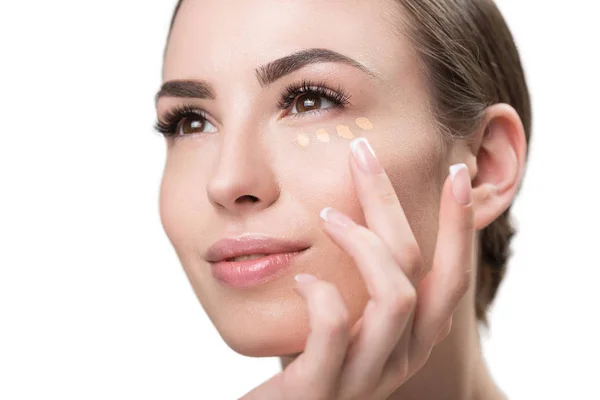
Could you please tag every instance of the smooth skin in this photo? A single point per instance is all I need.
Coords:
(405, 316)
(243, 172)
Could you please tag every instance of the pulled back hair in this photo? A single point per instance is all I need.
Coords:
(469, 56)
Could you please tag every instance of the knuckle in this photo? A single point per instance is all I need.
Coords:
(401, 368)
(401, 302)
(419, 363)
(463, 282)
(366, 237)
(444, 332)
(369, 240)
(409, 257)
(412, 263)
(447, 328)
(412, 255)
(388, 197)
(412, 272)
(335, 325)
(333, 316)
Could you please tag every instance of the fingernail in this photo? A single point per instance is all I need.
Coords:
(461, 183)
(365, 156)
(335, 217)
(304, 278)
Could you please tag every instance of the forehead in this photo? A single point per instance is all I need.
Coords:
(212, 38)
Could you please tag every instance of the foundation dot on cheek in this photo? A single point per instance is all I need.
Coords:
(344, 131)
(303, 140)
(364, 123)
(323, 136)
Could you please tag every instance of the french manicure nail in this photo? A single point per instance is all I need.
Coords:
(461, 183)
(365, 156)
(335, 217)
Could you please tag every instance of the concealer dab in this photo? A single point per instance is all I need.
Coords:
(344, 131)
(364, 123)
(322, 135)
(303, 140)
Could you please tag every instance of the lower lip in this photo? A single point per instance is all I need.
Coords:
(244, 274)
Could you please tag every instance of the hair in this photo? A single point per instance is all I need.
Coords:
(469, 56)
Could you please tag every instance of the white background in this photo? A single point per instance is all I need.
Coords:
(93, 301)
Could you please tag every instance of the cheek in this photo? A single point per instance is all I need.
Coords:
(181, 201)
(416, 169)
(182, 207)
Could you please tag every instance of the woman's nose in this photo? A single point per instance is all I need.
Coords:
(244, 179)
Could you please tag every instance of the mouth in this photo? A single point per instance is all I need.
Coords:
(249, 247)
(252, 260)
(252, 270)
(246, 257)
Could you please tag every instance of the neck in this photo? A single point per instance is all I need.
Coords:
(455, 369)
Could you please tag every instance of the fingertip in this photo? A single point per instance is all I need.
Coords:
(454, 169)
(302, 282)
(302, 279)
(461, 184)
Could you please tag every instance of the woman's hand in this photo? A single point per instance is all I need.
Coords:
(405, 317)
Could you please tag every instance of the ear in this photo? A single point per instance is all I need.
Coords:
(496, 163)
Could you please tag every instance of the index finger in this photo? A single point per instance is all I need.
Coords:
(382, 209)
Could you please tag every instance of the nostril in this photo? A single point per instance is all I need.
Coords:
(247, 199)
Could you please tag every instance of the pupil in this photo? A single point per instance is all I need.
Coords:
(308, 102)
(190, 125)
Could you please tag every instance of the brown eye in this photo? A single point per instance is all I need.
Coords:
(194, 124)
(308, 102)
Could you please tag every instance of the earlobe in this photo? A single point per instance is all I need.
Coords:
(500, 163)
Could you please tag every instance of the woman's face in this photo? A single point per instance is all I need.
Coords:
(261, 141)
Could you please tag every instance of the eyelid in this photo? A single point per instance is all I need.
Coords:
(168, 123)
(338, 96)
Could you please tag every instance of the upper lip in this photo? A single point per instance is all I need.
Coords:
(251, 244)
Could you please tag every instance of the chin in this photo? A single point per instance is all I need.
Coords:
(266, 344)
(269, 329)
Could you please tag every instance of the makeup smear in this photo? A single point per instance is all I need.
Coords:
(344, 131)
(322, 135)
(364, 123)
(303, 140)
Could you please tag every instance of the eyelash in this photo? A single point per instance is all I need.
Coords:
(168, 126)
(339, 97)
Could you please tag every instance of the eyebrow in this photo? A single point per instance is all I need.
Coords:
(274, 70)
(186, 89)
(266, 74)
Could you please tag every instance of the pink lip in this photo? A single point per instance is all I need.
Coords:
(279, 255)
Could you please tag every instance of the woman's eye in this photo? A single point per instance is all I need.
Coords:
(191, 124)
(310, 102)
